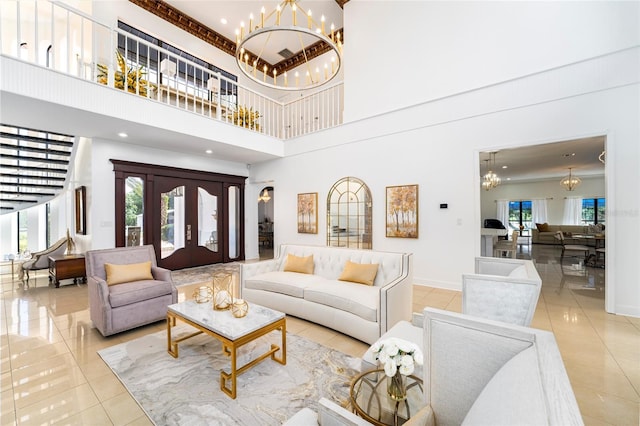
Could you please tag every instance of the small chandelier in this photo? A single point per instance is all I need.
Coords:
(275, 25)
(570, 182)
(490, 180)
(265, 196)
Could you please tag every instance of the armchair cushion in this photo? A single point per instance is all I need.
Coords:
(501, 401)
(118, 274)
(138, 291)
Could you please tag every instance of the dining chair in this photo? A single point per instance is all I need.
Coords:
(507, 248)
(571, 247)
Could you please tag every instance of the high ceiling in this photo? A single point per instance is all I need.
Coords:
(548, 161)
(216, 22)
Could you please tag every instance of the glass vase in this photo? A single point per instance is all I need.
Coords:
(397, 387)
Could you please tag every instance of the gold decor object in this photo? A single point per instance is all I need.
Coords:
(239, 308)
(71, 245)
(222, 296)
(288, 25)
(135, 81)
(203, 294)
(247, 118)
(570, 182)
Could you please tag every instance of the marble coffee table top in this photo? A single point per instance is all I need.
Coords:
(223, 322)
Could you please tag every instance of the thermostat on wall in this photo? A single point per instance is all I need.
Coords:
(444, 206)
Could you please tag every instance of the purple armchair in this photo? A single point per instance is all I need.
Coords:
(121, 307)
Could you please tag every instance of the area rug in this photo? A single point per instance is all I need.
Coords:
(186, 390)
(202, 274)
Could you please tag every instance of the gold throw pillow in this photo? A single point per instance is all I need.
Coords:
(118, 274)
(361, 273)
(304, 265)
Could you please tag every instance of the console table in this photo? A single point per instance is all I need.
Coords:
(67, 266)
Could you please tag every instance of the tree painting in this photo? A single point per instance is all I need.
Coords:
(308, 213)
(402, 211)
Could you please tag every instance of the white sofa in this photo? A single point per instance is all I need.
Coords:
(500, 289)
(361, 311)
(480, 372)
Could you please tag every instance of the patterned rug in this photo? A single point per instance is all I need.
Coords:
(186, 390)
(202, 274)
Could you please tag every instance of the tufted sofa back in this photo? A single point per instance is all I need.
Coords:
(329, 261)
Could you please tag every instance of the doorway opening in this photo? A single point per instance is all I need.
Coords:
(265, 222)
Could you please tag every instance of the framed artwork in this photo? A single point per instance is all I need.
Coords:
(81, 214)
(308, 213)
(402, 211)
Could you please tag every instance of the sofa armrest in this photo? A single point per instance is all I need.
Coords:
(248, 270)
(396, 298)
(99, 305)
(332, 414)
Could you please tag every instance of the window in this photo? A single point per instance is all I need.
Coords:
(593, 211)
(23, 240)
(519, 214)
(151, 58)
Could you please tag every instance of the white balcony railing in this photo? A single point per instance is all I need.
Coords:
(56, 36)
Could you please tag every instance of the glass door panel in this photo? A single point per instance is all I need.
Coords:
(134, 211)
(172, 221)
(207, 220)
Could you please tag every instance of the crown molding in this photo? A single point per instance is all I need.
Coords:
(198, 29)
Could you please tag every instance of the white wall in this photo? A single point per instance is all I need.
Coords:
(101, 193)
(549, 189)
(436, 145)
(428, 49)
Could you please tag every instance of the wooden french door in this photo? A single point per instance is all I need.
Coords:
(186, 223)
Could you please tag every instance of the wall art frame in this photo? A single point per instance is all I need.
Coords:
(307, 213)
(81, 210)
(402, 211)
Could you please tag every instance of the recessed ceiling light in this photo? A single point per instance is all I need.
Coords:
(508, 178)
(223, 21)
(123, 135)
(209, 151)
(505, 167)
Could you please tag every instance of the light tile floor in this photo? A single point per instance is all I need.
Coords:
(51, 373)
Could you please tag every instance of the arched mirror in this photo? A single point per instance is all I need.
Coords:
(349, 214)
(265, 222)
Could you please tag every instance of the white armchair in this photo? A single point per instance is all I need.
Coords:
(40, 260)
(500, 289)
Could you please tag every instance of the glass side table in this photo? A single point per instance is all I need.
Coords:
(369, 399)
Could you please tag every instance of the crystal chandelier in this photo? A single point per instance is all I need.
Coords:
(264, 197)
(490, 180)
(280, 24)
(570, 182)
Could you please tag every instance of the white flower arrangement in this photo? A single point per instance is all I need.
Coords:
(397, 355)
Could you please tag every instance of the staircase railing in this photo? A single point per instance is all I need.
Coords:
(59, 37)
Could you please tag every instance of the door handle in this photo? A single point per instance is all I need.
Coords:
(188, 232)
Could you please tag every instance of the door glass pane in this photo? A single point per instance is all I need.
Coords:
(133, 211)
(234, 221)
(172, 216)
(207, 220)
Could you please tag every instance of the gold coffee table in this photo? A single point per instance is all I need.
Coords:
(370, 400)
(232, 332)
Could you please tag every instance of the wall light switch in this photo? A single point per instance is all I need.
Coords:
(459, 221)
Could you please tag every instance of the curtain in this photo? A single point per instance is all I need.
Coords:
(538, 211)
(572, 211)
(502, 213)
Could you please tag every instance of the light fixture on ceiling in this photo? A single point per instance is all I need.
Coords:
(265, 196)
(280, 24)
(570, 182)
(490, 180)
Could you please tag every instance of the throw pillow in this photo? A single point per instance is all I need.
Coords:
(543, 227)
(303, 265)
(118, 274)
(361, 273)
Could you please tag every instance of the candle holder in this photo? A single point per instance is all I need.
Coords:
(203, 294)
(239, 308)
(222, 298)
